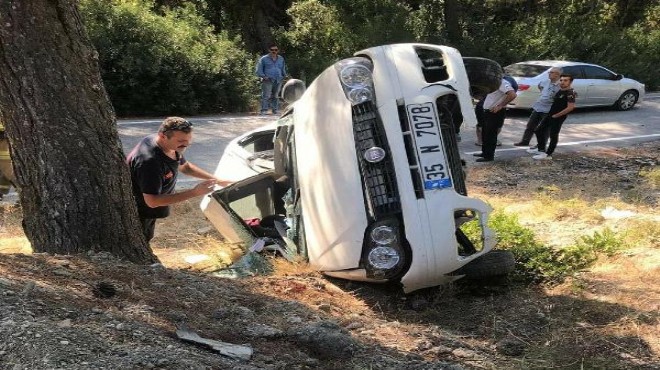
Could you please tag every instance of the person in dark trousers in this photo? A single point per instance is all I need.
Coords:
(155, 163)
(271, 69)
(542, 105)
(563, 104)
(494, 114)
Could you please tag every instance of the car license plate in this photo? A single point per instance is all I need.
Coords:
(430, 152)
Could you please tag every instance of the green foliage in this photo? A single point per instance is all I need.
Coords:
(163, 56)
(539, 263)
(607, 242)
(163, 64)
(317, 37)
(322, 32)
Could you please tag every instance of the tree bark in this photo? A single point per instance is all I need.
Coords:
(452, 22)
(75, 188)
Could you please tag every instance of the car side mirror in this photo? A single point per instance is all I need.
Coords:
(293, 90)
(618, 77)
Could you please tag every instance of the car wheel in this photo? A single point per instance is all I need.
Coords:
(627, 100)
(485, 75)
(493, 263)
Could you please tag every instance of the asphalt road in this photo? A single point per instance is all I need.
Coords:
(585, 129)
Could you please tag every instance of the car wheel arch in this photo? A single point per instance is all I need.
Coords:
(627, 100)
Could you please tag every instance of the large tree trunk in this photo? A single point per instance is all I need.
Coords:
(74, 185)
(452, 22)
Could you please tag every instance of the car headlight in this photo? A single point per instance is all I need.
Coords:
(355, 76)
(383, 258)
(360, 95)
(356, 79)
(383, 235)
(385, 255)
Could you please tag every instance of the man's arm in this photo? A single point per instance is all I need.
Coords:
(565, 111)
(510, 95)
(159, 200)
(259, 70)
(194, 171)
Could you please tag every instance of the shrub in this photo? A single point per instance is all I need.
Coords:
(538, 263)
(162, 64)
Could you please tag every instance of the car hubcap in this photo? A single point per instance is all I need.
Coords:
(627, 101)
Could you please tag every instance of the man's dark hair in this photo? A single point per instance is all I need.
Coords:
(171, 124)
(566, 75)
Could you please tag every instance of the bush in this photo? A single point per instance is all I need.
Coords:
(538, 263)
(166, 64)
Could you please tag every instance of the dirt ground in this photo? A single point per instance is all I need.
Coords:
(53, 314)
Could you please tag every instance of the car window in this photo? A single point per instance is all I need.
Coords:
(259, 142)
(525, 70)
(575, 71)
(598, 73)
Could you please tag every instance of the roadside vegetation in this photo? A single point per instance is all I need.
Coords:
(161, 57)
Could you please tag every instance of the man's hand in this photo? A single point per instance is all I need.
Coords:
(205, 187)
(223, 183)
(495, 109)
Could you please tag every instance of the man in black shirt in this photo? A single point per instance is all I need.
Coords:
(155, 163)
(563, 104)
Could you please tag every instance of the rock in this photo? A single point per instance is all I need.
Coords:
(439, 350)
(61, 272)
(64, 323)
(510, 346)
(244, 312)
(325, 307)
(332, 288)
(204, 230)
(325, 339)
(464, 353)
(292, 319)
(265, 331)
(354, 325)
(28, 288)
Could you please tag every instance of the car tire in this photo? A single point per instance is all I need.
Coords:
(627, 100)
(485, 75)
(491, 264)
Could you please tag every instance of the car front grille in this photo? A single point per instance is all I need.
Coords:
(378, 179)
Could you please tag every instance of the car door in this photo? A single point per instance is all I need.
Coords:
(248, 155)
(579, 84)
(603, 88)
(233, 209)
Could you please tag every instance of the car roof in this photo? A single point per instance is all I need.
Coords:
(555, 63)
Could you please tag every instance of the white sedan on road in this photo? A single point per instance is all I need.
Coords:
(594, 85)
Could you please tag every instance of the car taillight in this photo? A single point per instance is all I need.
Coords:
(523, 87)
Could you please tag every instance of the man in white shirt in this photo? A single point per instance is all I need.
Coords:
(494, 114)
(542, 105)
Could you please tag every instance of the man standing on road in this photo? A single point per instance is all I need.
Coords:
(542, 105)
(155, 163)
(563, 104)
(271, 69)
(494, 114)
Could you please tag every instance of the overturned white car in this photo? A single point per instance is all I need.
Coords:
(361, 176)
